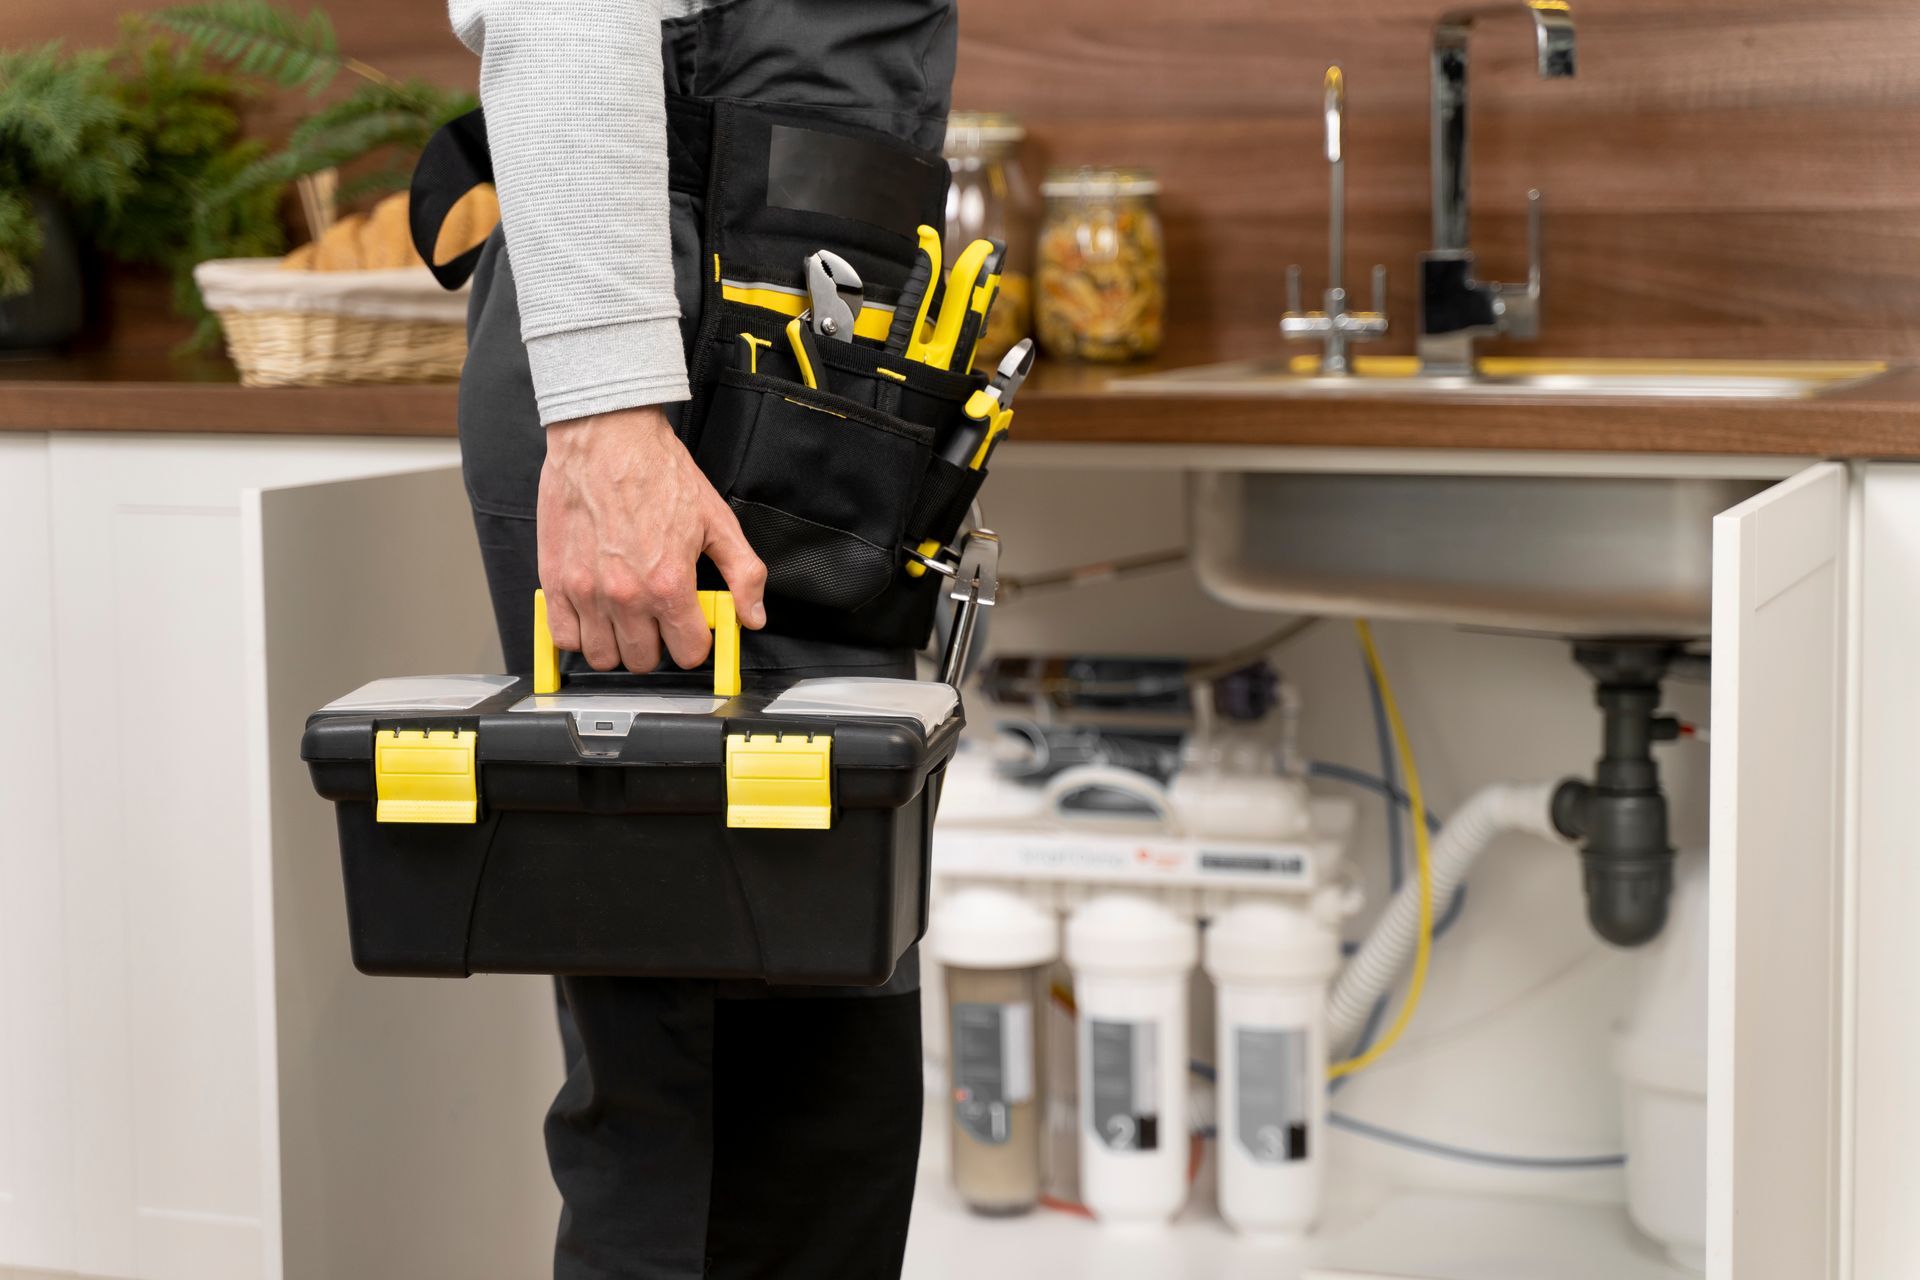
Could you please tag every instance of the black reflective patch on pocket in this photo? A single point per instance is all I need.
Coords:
(846, 177)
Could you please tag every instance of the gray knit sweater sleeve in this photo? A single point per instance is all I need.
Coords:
(576, 116)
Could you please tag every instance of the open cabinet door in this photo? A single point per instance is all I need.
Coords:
(408, 1109)
(1882, 1229)
(1781, 656)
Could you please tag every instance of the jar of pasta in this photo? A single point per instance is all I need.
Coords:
(991, 197)
(1103, 270)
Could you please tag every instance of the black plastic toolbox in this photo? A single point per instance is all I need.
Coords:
(627, 827)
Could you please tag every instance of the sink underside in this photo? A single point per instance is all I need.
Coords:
(1519, 376)
(1565, 555)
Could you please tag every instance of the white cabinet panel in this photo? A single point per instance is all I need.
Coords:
(1884, 1229)
(36, 1175)
(410, 1108)
(1780, 669)
(160, 962)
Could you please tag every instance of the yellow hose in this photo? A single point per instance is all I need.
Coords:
(1423, 858)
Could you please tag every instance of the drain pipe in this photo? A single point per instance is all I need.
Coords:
(1620, 818)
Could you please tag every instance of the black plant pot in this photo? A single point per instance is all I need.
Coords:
(52, 313)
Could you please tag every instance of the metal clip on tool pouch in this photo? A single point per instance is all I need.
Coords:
(751, 827)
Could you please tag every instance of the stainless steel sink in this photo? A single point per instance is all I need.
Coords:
(1580, 554)
(1517, 377)
(1569, 555)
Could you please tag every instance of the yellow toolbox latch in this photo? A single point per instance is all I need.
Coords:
(782, 781)
(424, 775)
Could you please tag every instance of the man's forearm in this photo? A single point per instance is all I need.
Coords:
(576, 117)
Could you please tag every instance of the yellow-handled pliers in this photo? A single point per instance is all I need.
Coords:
(962, 285)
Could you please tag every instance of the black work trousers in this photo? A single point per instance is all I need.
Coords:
(724, 1130)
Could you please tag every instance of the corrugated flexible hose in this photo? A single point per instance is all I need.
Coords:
(1489, 813)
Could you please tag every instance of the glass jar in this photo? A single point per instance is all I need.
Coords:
(1103, 265)
(992, 198)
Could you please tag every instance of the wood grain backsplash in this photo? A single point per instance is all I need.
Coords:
(1723, 177)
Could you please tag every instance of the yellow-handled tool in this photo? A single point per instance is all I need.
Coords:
(974, 325)
(990, 410)
(806, 351)
(989, 414)
(960, 300)
(910, 313)
(716, 610)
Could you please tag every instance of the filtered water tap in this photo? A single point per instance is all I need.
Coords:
(1334, 323)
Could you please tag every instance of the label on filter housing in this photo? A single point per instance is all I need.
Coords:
(1270, 1068)
(1124, 1067)
(992, 1066)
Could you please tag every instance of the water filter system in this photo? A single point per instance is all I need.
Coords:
(1270, 963)
(1131, 958)
(1232, 867)
(1250, 859)
(996, 947)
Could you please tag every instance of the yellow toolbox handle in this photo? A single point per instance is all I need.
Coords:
(716, 610)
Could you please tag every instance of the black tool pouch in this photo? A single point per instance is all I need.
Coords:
(834, 486)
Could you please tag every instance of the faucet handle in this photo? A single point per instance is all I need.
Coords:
(1380, 288)
(1535, 243)
(1293, 290)
(1517, 307)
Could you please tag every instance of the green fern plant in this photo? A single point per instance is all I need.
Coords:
(186, 116)
(63, 132)
(383, 117)
(259, 39)
(143, 145)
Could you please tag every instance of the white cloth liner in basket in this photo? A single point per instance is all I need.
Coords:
(262, 284)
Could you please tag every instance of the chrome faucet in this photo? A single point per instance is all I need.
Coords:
(1455, 308)
(1334, 323)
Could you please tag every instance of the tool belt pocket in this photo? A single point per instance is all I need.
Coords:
(824, 488)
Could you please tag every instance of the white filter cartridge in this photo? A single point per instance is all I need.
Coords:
(1271, 963)
(1131, 958)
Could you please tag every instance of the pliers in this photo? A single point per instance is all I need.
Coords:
(835, 295)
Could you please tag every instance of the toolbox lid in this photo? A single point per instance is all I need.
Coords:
(421, 693)
(777, 753)
(869, 697)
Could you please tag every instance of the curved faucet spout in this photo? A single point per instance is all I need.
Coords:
(1552, 31)
(1554, 54)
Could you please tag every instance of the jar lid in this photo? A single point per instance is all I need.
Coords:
(967, 130)
(1089, 181)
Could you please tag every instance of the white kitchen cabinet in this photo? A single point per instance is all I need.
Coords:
(1814, 1140)
(174, 1056)
(1783, 633)
(193, 1082)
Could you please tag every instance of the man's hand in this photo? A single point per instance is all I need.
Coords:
(624, 514)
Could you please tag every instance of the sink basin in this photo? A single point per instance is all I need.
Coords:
(1569, 554)
(1518, 376)
(1565, 555)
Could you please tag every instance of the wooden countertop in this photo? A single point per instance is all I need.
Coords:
(1061, 404)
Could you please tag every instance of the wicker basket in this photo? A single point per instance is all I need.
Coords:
(319, 328)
